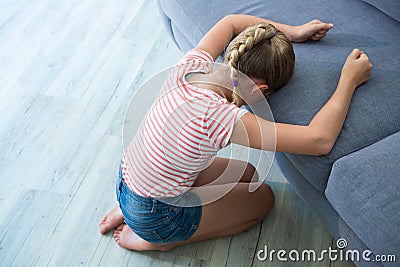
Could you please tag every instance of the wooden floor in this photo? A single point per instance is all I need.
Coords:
(68, 70)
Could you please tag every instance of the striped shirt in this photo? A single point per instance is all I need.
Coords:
(181, 133)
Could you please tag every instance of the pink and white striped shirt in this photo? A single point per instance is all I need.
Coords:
(180, 134)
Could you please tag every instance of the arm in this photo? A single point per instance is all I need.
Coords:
(219, 36)
(319, 136)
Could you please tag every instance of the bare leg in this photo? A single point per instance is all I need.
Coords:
(112, 219)
(224, 171)
(234, 213)
(221, 171)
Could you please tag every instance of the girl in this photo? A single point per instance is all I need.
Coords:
(195, 118)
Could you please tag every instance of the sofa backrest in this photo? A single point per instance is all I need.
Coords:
(390, 8)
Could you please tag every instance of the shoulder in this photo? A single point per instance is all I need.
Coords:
(220, 108)
(196, 55)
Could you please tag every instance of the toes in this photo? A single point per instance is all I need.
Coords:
(126, 227)
(112, 219)
(103, 225)
(121, 227)
(117, 234)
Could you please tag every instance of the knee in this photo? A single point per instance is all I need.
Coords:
(268, 197)
(250, 173)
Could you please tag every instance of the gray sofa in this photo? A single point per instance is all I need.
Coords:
(355, 189)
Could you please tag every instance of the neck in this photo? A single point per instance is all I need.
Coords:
(214, 82)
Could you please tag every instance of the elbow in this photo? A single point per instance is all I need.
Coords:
(325, 149)
(322, 145)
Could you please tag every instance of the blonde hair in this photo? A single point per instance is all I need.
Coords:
(260, 52)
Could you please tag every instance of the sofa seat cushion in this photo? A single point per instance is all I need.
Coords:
(364, 189)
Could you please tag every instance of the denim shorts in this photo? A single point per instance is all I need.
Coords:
(154, 220)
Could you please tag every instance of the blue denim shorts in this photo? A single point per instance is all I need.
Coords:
(156, 221)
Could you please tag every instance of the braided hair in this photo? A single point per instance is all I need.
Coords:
(261, 52)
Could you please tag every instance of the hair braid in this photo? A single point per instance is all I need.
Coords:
(242, 43)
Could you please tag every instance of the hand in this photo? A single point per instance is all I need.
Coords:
(314, 30)
(357, 68)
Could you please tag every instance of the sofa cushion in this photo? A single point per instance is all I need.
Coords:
(317, 201)
(391, 8)
(364, 190)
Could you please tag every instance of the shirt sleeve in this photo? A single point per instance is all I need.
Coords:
(222, 117)
(196, 61)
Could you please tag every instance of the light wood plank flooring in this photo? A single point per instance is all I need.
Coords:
(68, 70)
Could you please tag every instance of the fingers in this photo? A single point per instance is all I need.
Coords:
(355, 54)
(318, 36)
(315, 21)
(322, 26)
(328, 26)
(320, 29)
(357, 67)
(363, 56)
(313, 30)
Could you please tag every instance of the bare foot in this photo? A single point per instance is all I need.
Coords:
(126, 238)
(111, 220)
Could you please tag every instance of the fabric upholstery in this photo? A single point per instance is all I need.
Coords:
(370, 175)
(389, 7)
